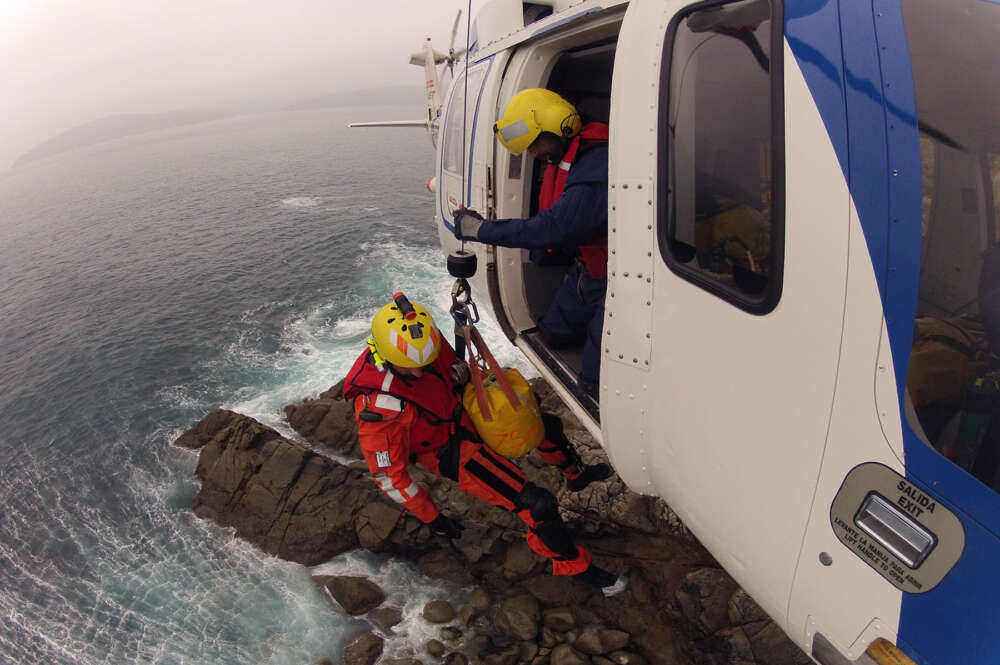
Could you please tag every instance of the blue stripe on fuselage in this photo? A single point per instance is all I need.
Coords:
(855, 60)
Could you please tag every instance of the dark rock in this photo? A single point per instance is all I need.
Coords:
(601, 660)
(738, 650)
(356, 595)
(518, 617)
(704, 598)
(435, 648)
(507, 655)
(328, 421)
(324, 661)
(450, 633)
(364, 649)
(520, 561)
(401, 661)
(559, 618)
(772, 647)
(439, 611)
(202, 433)
(597, 641)
(549, 637)
(528, 651)
(564, 654)
(456, 658)
(742, 609)
(386, 617)
(444, 565)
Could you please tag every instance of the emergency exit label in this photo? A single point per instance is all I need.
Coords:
(898, 528)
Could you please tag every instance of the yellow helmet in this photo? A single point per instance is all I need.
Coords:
(532, 112)
(405, 334)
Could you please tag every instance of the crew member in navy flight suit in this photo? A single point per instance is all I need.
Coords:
(572, 215)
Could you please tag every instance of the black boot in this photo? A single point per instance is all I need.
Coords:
(597, 578)
(590, 474)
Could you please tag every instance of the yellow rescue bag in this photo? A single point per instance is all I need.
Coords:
(509, 431)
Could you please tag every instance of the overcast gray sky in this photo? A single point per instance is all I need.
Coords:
(66, 62)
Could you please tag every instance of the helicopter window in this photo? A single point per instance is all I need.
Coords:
(721, 135)
(953, 378)
(453, 148)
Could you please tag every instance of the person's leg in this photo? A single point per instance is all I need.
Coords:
(558, 451)
(493, 478)
(565, 321)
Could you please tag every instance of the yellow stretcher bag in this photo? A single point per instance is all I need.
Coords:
(510, 431)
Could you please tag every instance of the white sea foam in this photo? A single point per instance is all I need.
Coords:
(301, 202)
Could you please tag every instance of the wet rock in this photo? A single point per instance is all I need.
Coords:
(435, 648)
(365, 649)
(356, 595)
(402, 661)
(328, 421)
(626, 658)
(478, 603)
(445, 565)
(704, 598)
(772, 647)
(528, 651)
(601, 660)
(439, 611)
(549, 637)
(386, 617)
(564, 654)
(450, 633)
(324, 661)
(743, 609)
(599, 641)
(456, 658)
(507, 655)
(201, 434)
(559, 618)
(520, 561)
(737, 646)
(518, 617)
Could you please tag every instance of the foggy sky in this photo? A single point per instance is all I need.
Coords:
(67, 62)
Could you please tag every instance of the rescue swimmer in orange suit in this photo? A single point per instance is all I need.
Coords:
(572, 216)
(405, 390)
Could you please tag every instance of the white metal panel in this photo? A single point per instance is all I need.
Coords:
(742, 402)
(846, 598)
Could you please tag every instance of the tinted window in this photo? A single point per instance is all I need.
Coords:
(719, 221)
(453, 148)
(954, 377)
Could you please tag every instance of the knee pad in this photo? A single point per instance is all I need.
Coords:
(538, 501)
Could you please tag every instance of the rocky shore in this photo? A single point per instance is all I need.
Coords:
(296, 501)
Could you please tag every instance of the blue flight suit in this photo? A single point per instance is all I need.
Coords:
(579, 216)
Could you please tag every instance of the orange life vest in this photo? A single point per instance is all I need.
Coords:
(594, 254)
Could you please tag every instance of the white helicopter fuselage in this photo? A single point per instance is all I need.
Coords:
(755, 357)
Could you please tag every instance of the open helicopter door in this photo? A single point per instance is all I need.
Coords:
(729, 229)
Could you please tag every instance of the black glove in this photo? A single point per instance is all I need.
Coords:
(459, 373)
(446, 527)
(467, 223)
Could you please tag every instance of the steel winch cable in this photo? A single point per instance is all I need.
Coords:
(465, 102)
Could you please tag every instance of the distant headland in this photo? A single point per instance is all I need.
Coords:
(123, 125)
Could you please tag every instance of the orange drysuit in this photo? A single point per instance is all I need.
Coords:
(404, 419)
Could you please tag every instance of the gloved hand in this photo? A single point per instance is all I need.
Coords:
(446, 527)
(467, 223)
(459, 373)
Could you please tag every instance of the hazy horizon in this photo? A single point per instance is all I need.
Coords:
(64, 64)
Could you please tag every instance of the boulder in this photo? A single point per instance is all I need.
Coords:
(365, 649)
(564, 654)
(439, 611)
(356, 595)
(597, 641)
(386, 617)
(435, 648)
(326, 421)
(559, 618)
(507, 655)
(704, 598)
(626, 658)
(518, 617)
(456, 658)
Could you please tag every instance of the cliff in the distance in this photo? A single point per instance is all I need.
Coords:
(114, 127)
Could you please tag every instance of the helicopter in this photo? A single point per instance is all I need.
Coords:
(802, 317)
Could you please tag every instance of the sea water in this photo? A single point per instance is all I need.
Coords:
(144, 282)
